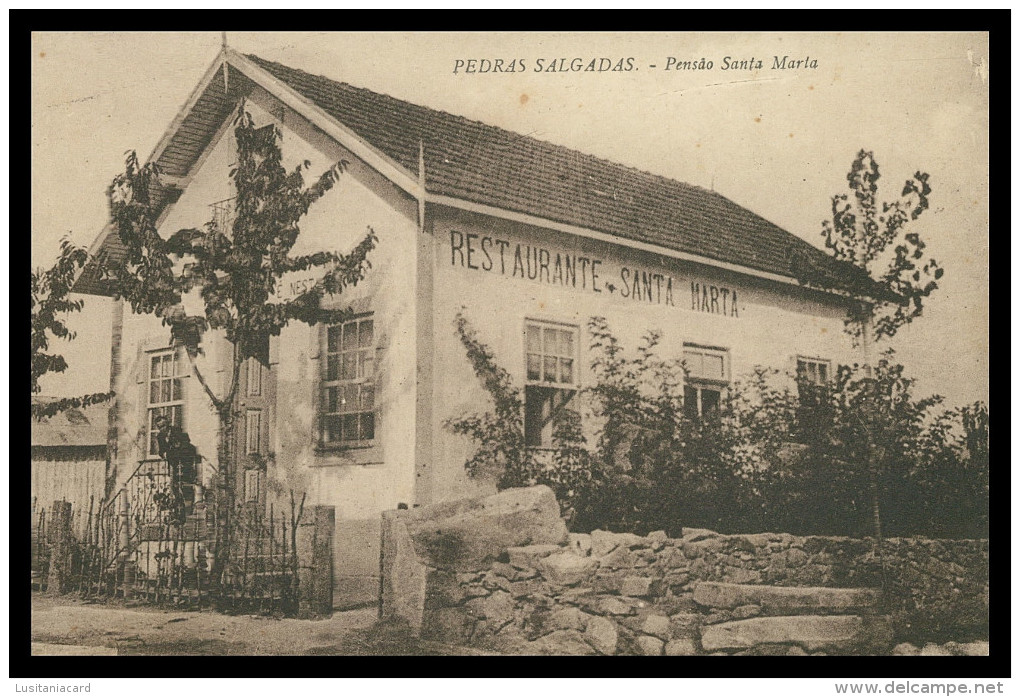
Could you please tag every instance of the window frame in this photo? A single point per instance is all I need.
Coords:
(699, 381)
(572, 387)
(816, 361)
(340, 446)
(813, 401)
(152, 409)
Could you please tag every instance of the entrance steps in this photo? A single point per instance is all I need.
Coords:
(765, 619)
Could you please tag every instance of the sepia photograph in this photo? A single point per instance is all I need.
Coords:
(665, 344)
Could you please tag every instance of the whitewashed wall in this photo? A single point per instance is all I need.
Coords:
(773, 323)
(359, 484)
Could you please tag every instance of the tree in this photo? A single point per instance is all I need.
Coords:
(499, 433)
(234, 272)
(50, 306)
(894, 277)
(895, 274)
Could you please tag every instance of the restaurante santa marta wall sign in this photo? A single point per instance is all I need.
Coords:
(529, 262)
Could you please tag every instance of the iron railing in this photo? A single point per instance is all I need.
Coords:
(133, 546)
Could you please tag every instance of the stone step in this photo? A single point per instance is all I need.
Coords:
(811, 632)
(788, 600)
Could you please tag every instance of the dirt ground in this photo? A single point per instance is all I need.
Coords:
(61, 624)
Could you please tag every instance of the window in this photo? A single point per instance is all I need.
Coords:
(223, 215)
(813, 371)
(813, 376)
(166, 393)
(551, 358)
(348, 386)
(708, 373)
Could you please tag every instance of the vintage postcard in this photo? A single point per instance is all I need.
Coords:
(533, 343)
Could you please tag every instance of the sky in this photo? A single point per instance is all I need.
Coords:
(778, 141)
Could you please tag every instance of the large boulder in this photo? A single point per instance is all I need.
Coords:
(812, 632)
(470, 534)
(404, 577)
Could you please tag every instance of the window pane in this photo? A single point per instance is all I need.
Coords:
(567, 370)
(365, 334)
(349, 366)
(350, 427)
(167, 366)
(178, 390)
(331, 429)
(690, 402)
(331, 399)
(823, 373)
(533, 415)
(693, 361)
(177, 415)
(567, 344)
(534, 341)
(333, 339)
(715, 367)
(154, 370)
(550, 369)
(709, 402)
(154, 392)
(367, 397)
(350, 339)
(551, 343)
(367, 426)
(367, 364)
(164, 395)
(351, 399)
(534, 366)
(153, 444)
(331, 368)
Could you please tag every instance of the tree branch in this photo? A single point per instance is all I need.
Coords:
(205, 386)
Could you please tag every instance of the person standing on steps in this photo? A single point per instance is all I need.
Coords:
(181, 458)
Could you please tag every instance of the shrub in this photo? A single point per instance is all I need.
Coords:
(767, 461)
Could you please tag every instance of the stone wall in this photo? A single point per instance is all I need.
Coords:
(617, 593)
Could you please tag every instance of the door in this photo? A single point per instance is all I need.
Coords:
(254, 431)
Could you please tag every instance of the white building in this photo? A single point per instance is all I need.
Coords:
(529, 238)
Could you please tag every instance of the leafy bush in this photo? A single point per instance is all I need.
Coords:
(767, 461)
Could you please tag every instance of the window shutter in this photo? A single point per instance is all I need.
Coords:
(274, 350)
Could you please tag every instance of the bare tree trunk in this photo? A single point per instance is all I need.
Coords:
(225, 474)
(873, 461)
(224, 495)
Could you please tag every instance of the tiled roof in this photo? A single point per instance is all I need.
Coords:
(473, 161)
